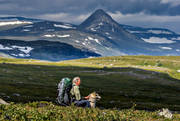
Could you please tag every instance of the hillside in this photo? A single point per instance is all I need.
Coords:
(165, 64)
(121, 81)
(54, 51)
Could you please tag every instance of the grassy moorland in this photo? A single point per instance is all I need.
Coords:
(165, 64)
(150, 82)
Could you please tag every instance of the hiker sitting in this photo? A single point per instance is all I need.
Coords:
(76, 96)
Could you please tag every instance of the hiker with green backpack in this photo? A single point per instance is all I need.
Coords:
(68, 92)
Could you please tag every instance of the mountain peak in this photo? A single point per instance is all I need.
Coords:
(100, 12)
(98, 17)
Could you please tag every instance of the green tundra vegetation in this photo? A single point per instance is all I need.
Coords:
(149, 82)
(43, 111)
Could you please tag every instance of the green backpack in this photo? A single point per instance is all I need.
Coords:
(64, 88)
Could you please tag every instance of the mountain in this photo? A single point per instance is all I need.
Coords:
(19, 19)
(102, 24)
(62, 32)
(98, 35)
(147, 34)
(43, 50)
(13, 22)
(130, 39)
(165, 39)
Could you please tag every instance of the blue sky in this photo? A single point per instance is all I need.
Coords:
(147, 13)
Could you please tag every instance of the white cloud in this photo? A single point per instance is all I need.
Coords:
(118, 16)
(146, 20)
(5, 15)
(172, 2)
(14, 23)
(66, 17)
(166, 48)
(8, 7)
(158, 40)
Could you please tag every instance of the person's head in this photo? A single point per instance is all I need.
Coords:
(77, 81)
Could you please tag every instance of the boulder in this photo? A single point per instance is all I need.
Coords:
(166, 113)
(3, 102)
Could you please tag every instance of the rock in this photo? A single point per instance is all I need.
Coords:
(178, 71)
(16, 94)
(3, 102)
(166, 113)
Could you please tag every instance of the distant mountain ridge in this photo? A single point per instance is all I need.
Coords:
(13, 18)
(99, 35)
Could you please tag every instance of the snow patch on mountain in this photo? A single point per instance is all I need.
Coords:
(26, 30)
(101, 24)
(59, 36)
(24, 55)
(49, 35)
(14, 54)
(20, 55)
(92, 29)
(25, 49)
(67, 26)
(96, 40)
(135, 32)
(158, 40)
(84, 43)
(107, 33)
(178, 50)
(166, 48)
(4, 48)
(77, 41)
(150, 32)
(90, 38)
(63, 36)
(5, 23)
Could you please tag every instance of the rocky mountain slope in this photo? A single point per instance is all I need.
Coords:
(98, 34)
